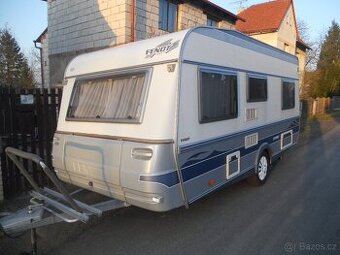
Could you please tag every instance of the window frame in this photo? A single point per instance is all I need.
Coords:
(260, 77)
(167, 3)
(199, 89)
(283, 108)
(209, 18)
(145, 91)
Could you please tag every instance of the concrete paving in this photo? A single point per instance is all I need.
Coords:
(296, 212)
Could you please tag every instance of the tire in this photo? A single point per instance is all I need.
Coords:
(262, 170)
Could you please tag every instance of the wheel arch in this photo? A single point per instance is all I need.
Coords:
(265, 147)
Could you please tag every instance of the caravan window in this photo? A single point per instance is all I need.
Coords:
(114, 98)
(218, 96)
(257, 89)
(288, 95)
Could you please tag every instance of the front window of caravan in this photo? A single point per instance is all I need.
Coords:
(218, 96)
(114, 98)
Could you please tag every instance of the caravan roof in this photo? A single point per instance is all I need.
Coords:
(188, 45)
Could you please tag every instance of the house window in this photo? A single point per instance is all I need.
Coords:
(167, 15)
(257, 89)
(211, 22)
(286, 47)
(288, 95)
(218, 96)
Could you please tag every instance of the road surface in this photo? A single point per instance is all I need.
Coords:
(296, 212)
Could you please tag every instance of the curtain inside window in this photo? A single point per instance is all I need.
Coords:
(108, 98)
(218, 96)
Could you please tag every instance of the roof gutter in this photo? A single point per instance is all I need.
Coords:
(41, 63)
(215, 6)
(132, 10)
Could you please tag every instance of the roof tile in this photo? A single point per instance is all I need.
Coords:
(264, 17)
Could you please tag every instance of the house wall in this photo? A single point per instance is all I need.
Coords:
(301, 55)
(80, 26)
(45, 61)
(226, 24)
(146, 24)
(190, 16)
(269, 38)
(285, 39)
(287, 33)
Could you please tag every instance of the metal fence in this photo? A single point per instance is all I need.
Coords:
(28, 119)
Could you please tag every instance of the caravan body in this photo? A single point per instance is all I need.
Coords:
(161, 122)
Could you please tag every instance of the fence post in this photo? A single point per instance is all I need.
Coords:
(1, 181)
(314, 107)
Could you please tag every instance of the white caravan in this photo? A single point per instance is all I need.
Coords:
(162, 122)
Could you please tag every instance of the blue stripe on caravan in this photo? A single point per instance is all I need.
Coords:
(295, 121)
(213, 163)
(200, 168)
(169, 179)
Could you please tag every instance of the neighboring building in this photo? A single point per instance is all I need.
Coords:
(45, 67)
(75, 27)
(274, 23)
(301, 52)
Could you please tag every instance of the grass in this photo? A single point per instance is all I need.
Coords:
(328, 116)
(314, 126)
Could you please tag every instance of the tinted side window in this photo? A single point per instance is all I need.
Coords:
(257, 89)
(288, 95)
(218, 96)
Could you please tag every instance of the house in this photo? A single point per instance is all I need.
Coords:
(76, 27)
(275, 23)
(45, 72)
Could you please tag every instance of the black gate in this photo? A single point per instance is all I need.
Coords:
(28, 119)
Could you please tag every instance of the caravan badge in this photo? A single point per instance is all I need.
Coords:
(164, 47)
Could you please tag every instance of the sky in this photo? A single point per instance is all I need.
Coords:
(27, 19)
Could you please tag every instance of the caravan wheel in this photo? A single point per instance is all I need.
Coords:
(262, 170)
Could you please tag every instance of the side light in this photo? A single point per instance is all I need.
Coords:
(157, 200)
(142, 153)
(211, 182)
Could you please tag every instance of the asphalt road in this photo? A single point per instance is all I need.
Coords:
(296, 212)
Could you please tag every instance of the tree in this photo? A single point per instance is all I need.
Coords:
(14, 69)
(330, 48)
(312, 55)
(329, 63)
(34, 62)
(26, 78)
